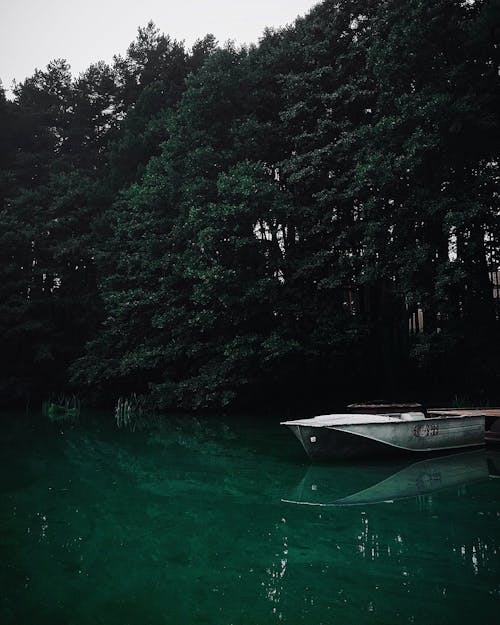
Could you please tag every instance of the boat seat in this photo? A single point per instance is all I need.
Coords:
(412, 416)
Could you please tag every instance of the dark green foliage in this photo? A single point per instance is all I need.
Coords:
(311, 220)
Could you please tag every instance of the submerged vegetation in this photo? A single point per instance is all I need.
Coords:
(315, 216)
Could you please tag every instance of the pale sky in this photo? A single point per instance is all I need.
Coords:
(33, 32)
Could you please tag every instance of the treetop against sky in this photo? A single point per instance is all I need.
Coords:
(33, 33)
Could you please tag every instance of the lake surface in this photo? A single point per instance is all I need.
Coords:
(224, 521)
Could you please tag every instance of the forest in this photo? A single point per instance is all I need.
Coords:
(295, 224)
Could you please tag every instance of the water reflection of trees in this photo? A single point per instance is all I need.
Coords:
(409, 561)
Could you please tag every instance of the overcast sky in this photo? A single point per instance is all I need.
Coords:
(33, 32)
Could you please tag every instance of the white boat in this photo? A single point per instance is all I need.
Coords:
(339, 436)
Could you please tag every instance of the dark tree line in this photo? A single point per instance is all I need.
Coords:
(308, 220)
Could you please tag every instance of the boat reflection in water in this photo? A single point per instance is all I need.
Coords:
(377, 483)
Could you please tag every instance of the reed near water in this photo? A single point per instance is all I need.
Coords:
(62, 408)
(134, 412)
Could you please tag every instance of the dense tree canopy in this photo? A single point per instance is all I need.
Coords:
(307, 221)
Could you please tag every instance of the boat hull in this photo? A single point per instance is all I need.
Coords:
(420, 437)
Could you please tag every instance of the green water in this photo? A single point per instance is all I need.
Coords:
(224, 522)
